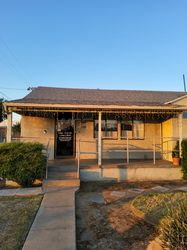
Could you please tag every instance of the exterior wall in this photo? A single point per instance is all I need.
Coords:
(181, 102)
(167, 133)
(2, 134)
(85, 133)
(32, 129)
(184, 128)
(116, 148)
(170, 128)
(131, 174)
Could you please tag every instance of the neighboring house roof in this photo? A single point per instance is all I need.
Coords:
(49, 95)
(3, 124)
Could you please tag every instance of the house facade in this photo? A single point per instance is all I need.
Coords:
(102, 124)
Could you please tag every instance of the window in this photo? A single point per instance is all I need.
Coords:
(108, 128)
(185, 114)
(133, 129)
(138, 129)
(126, 129)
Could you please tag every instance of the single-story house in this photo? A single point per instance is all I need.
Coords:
(3, 130)
(102, 124)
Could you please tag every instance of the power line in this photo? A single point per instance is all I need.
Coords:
(1, 87)
(18, 69)
(4, 95)
(12, 67)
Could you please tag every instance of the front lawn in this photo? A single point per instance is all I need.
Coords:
(126, 216)
(169, 212)
(16, 217)
(153, 207)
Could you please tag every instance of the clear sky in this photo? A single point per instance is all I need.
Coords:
(115, 44)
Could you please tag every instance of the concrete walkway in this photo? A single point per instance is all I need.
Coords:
(21, 191)
(54, 225)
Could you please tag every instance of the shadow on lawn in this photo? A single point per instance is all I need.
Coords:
(112, 227)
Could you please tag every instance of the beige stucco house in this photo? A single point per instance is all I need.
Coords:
(102, 124)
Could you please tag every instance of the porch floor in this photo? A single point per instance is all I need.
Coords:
(69, 166)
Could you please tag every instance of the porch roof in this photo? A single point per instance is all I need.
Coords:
(54, 98)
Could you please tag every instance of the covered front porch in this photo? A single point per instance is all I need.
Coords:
(105, 142)
(103, 137)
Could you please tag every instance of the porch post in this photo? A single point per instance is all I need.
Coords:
(99, 139)
(180, 118)
(9, 127)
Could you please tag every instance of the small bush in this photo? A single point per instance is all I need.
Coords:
(174, 227)
(22, 162)
(184, 158)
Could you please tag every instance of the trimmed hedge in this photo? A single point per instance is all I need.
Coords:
(22, 162)
(184, 158)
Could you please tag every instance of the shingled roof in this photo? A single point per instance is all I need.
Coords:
(49, 95)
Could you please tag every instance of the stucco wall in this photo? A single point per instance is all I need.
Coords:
(167, 132)
(182, 102)
(88, 144)
(32, 129)
(170, 129)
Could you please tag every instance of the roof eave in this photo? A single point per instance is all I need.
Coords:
(95, 107)
(176, 99)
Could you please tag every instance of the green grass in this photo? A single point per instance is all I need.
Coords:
(16, 217)
(155, 206)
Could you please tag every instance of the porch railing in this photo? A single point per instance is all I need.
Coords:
(158, 146)
(79, 153)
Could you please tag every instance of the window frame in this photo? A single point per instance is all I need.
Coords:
(105, 130)
(119, 130)
(133, 137)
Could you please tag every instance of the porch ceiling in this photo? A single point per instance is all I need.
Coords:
(90, 114)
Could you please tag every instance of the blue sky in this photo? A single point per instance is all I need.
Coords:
(115, 44)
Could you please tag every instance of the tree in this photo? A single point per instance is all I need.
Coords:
(1, 109)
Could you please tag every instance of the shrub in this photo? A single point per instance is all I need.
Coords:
(22, 162)
(174, 227)
(175, 152)
(184, 158)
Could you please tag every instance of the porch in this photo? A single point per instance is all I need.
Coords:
(112, 170)
(127, 135)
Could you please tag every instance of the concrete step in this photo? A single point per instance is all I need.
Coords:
(62, 168)
(56, 184)
(62, 175)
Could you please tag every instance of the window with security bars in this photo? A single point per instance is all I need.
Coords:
(133, 129)
(109, 128)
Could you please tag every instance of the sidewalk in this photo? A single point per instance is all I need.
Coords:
(21, 191)
(54, 225)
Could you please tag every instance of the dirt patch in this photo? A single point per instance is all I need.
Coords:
(105, 219)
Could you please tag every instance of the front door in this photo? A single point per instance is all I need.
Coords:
(65, 136)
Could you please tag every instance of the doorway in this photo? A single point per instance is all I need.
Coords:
(65, 135)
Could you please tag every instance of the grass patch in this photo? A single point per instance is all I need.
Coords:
(156, 205)
(169, 212)
(16, 217)
(173, 228)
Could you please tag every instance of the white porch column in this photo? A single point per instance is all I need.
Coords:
(99, 139)
(180, 119)
(9, 127)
